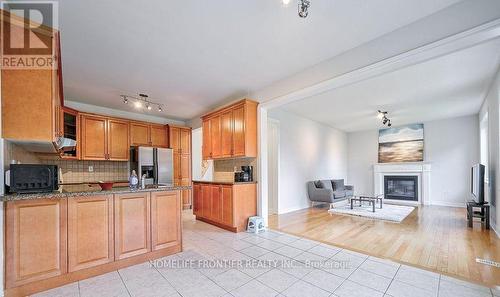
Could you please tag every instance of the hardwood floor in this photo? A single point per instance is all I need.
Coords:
(431, 237)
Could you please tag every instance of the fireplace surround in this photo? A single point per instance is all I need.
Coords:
(420, 171)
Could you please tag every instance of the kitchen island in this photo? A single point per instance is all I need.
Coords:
(52, 239)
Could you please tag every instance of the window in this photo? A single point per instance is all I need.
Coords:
(483, 143)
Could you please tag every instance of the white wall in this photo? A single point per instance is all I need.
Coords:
(308, 151)
(196, 157)
(451, 146)
(491, 106)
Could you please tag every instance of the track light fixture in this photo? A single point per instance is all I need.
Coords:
(141, 101)
(304, 8)
(382, 115)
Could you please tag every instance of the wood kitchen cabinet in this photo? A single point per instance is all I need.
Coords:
(147, 134)
(35, 240)
(90, 231)
(104, 138)
(132, 224)
(180, 143)
(231, 131)
(165, 219)
(32, 98)
(197, 200)
(69, 127)
(225, 205)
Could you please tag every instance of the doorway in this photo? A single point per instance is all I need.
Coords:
(273, 133)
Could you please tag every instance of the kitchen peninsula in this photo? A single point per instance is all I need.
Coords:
(78, 232)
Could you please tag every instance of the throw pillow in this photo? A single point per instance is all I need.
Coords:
(319, 184)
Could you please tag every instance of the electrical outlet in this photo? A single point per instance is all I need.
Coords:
(91, 168)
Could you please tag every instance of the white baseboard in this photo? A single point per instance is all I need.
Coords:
(450, 204)
(494, 228)
(292, 209)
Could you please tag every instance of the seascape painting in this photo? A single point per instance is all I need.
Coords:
(401, 144)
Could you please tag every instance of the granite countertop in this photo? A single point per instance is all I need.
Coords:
(68, 191)
(223, 182)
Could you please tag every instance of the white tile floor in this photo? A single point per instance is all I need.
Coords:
(360, 275)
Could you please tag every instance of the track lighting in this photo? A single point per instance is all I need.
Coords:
(382, 115)
(141, 101)
(303, 8)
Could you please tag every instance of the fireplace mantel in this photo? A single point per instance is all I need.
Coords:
(421, 170)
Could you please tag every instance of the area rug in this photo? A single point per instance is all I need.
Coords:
(389, 212)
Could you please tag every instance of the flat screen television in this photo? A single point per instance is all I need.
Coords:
(477, 183)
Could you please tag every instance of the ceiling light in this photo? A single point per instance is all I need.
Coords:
(382, 115)
(141, 101)
(303, 8)
(285, 2)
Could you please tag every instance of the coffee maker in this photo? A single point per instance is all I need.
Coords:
(247, 173)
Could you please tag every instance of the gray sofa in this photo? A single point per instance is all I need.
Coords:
(329, 191)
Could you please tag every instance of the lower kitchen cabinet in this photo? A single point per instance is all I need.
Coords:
(165, 219)
(90, 231)
(55, 241)
(35, 240)
(225, 205)
(132, 224)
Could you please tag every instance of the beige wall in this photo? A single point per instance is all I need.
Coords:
(71, 171)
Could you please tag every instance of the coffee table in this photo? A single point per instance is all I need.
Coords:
(371, 199)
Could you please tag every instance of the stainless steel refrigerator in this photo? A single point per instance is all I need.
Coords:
(156, 163)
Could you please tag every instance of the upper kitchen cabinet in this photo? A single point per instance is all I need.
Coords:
(69, 127)
(231, 131)
(32, 97)
(146, 134)
(159, 136)
(104, 138)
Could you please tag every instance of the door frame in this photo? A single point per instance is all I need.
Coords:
(273, 165)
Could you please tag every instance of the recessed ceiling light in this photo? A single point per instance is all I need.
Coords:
(137, 104)
(285, 2)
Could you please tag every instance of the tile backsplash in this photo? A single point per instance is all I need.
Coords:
(71, 171)
(74, 171)
(224, 169)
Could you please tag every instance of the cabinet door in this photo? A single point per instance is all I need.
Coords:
(227, 205)
(185, 141)
(139, 134)
(35, 240)
(207, 140)
(239, 131)
(159, 136)
(132, 225)
(186, 199)
(174, 135)
(177, 166)
(227, 134)
(215, 135)
(216, 214)
(118, 140)
(197, 199)
(90, 231)
(185, 166)
(165, 219)
(94, 137)
(206, 196)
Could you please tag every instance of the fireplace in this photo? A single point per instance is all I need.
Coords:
(400, 187)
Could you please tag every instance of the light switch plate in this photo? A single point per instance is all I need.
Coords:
(91, 168)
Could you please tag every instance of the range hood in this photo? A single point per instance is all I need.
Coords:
(63, 144)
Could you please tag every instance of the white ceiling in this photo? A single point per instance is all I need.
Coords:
(448, 86)
(193, 55)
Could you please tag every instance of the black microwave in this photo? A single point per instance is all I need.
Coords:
(32, 178)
